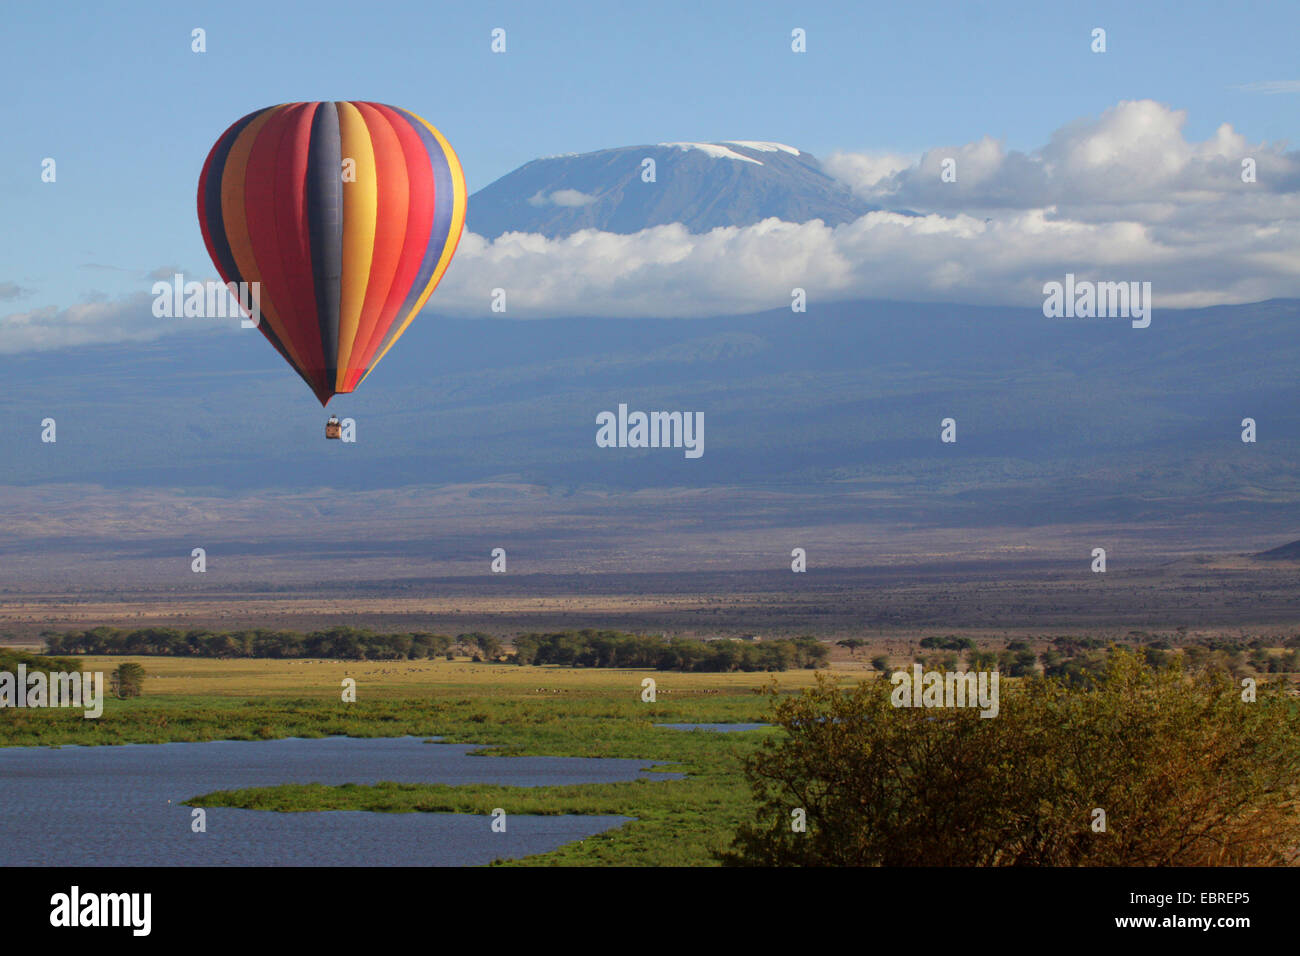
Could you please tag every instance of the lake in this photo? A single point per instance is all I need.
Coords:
(107, 806)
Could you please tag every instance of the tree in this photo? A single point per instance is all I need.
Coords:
(1017, 663)
(526, 646)
(810, 653)
(128, 680)
(852, 643)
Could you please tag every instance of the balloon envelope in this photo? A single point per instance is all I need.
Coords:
(347, 214)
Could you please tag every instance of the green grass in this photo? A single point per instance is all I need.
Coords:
(552, 727)
(592, 715)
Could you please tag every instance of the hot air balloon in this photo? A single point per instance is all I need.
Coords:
(347, 214)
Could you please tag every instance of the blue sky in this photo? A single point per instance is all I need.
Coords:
(128, 111)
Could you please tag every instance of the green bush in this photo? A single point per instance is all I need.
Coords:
(1188, 774)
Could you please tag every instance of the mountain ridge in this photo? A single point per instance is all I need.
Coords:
(1056, 421)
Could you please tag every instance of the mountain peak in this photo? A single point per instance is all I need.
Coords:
(626, 189)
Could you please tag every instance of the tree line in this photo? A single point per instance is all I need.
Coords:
(585, 648)
(592, 648)
(345, 643)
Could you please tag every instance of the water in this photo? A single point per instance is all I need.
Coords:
(722, 728)
(107, 806)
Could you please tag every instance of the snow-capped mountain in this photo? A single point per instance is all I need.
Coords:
(701, 185)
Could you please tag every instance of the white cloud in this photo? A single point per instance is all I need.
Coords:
(666, 271)
(571, 197)
(1131, 162)
(561, 197)
(128, 319)
(865, 169)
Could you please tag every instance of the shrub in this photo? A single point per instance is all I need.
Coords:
(1187, 773)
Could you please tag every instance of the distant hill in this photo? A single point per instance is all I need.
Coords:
(700, 185)
(1056, 420)
(1287, 552)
